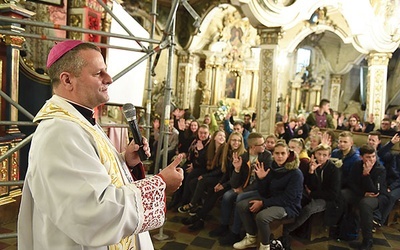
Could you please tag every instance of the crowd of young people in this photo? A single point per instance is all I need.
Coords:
(295, 173)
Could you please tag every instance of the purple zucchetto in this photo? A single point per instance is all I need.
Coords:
(60, 49)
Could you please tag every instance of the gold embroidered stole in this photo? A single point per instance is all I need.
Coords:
(106, 155)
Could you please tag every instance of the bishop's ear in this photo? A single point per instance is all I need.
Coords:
(65, 79)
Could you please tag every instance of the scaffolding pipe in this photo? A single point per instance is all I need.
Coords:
(16, 148)
(11, 183)
(113, 125)
(150, 63)
(53, 38)
(4, 123)
(19, 107)
(120, 23)
(164, 130)
(140, 60)
(168, 90)
(77, 29)
(8, 236)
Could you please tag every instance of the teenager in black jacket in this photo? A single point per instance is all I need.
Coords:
(367, 186)
(322, 186)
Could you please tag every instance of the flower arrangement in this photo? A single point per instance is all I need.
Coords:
(222, 110)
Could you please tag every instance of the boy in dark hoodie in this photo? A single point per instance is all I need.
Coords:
(322, 186)
(345, 155)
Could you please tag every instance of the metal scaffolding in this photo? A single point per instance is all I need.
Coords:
(167, 41)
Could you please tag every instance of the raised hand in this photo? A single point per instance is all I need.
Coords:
(313, 165)
(237, 162)
(260, 171)
(181, 124)
(395, 139)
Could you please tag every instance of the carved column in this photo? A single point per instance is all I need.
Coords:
(253, 89)
(268, 85)
(376, 86)
(295, 97)
(9, 61)
(336, 81)
(218, 81)
(185, 68)
(9, 84)
(315, 95)
(213, 78)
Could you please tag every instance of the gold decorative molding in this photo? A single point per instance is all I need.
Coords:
(92, 4)
(75, 20)
(266, 68)
(269, 35)
(15, 41)
(379, 58)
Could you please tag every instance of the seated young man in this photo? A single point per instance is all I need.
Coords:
(346, 154)
(368, 183)
(322, 185)
(280, 190)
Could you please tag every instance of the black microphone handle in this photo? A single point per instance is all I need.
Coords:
(137, 137)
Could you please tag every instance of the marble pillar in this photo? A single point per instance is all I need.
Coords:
(185, 69)
(376, 86)
(268, 80)
(336, 81)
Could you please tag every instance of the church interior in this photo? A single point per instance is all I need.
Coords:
(273, 58)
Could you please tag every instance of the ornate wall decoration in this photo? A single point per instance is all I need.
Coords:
(75, 20)
(230, 58)
(376, 88)
(35, 50)
(265, 95)
(4, 169)
(388, 14)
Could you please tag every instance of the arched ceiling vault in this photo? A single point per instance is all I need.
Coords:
(373, 27)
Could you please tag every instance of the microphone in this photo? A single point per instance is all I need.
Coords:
(130, 115)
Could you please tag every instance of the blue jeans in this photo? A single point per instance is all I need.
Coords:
(384, 209)
(227, 206)
(228, 201)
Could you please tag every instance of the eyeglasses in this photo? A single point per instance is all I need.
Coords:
(259, 145)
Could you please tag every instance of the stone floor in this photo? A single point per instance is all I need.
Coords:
(178, 237)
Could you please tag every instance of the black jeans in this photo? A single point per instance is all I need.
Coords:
(366, 206)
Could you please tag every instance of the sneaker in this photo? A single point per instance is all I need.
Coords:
(264, 247)
(376, 223)
(190, 220)
(198, 225)
(219, 231)
(193, 211)
(248, 241)
(185, 208)
(230, 239)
